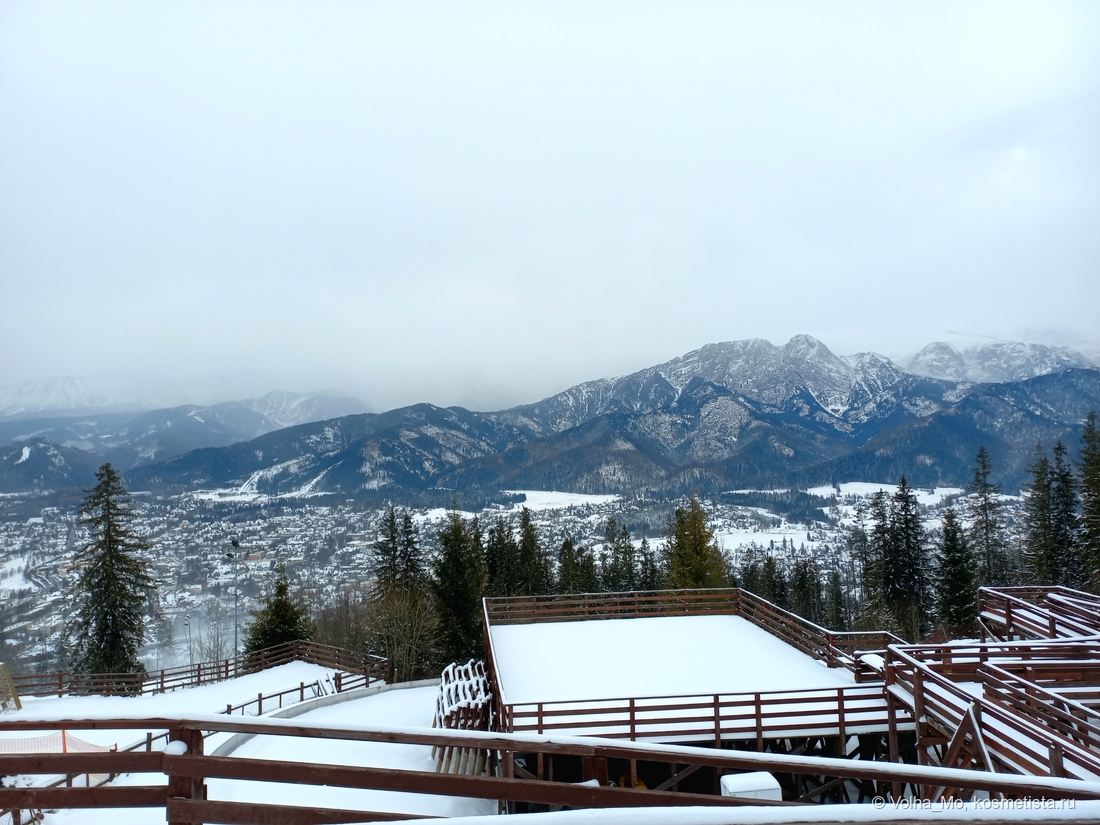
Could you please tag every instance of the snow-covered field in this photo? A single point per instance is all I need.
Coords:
(549, 500)
(864, 489)
(658, 656)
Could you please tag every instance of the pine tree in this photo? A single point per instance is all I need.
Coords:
(113, 583)
(650, 574)
(1063, 518)
(501, 560)
(805, 588)
(956, 594)
(1089, 473)
(987, 535)
(567, 567)
(618, 568)
(411, 568)
(532, 569)
(774, 583)
(869, 549)
(836, 609)
(1041, 552)
(279, 620)
(387, 554)
(694, 558)
(904, 565)
(458, 584)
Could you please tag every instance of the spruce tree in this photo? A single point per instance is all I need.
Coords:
(280, 619)
(1063, 517)
(588, 576)
(113, 583)
(459, 582)
(905, 564)
(836, 608)
(618, 567)
(387, 554)
(567, 567)
(987, 535)
(532, 569)
(694, 558)
(650, 574)
(501, 560)
(1089, 474)
(956, 593)
(805, 587)
(869, 547)
(411, 567)
(774, 583)
(1040, 551)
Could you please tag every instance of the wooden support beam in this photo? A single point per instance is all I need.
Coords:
(250, 813)
(674, 780)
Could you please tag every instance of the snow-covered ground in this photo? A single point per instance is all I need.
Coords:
(211, 698)
(407, 708)
(550, 500)
(864, 489)
(413, 707)
(658, 656)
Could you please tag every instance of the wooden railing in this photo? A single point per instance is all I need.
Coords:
(1038, 612)
(715, 718)
(961, 661)
(837, 649)
(1011, 738)
(61, 683)
(185, 796)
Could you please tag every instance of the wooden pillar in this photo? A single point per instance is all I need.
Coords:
(892, 720)
(187, 787)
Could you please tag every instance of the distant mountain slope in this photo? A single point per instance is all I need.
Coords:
(726, 416)
(38, 465)
(128, 439)
(995, 362)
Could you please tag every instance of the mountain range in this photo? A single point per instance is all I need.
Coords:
(725, 416)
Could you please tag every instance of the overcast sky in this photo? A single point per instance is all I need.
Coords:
(484, 203)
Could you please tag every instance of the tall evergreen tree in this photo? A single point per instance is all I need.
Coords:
(567, 567)
(532, 568)
(836, 608)
(1063, 517)
(806, 599)
(1041, 553)
(386, 564)
(751, 571)
(869, 546)
(650, 574)
(905, 564)
(774, 583)
(502, 560)
(694, 558)
(956, 592)
(987, 536)
(618, 568)
(1089, 473)
(458, 584)
(412, 571)
(112, 587)
(279, 619)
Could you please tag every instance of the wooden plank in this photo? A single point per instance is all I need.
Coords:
(250, 813)
(100, 762)
(481, 787)
(104, 796)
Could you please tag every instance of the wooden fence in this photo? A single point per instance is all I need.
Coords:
(836, 649)
(185, 798)
(716, 718)
(1031, 743)
(1037, 613)
(61, 683)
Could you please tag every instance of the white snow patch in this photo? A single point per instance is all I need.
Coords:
(550, 500)
(25, 456)
(658, 656)
(864, 489)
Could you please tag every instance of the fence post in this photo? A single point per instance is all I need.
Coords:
(842, 740)
(759, 723)
(540, 717)
(60, 684)
(717, 722)
(301, 691)
(632, 720)
(187, 787)
(260, 704)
